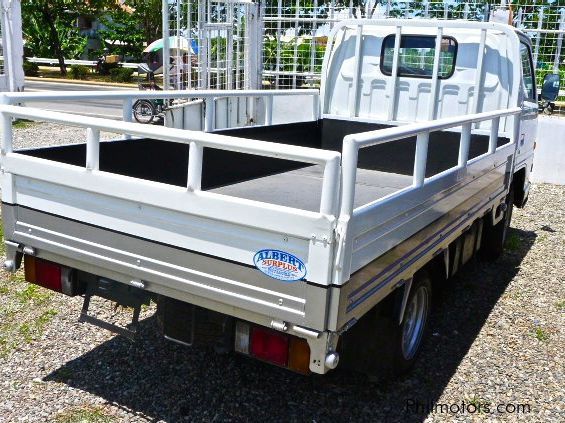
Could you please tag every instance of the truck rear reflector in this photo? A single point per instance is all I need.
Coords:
(43, 273)
(242, 337)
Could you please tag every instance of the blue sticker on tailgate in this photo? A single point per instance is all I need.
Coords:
(280, 265)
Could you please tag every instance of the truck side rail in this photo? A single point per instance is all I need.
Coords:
(197, 140)
(129, 97)
(353, 143)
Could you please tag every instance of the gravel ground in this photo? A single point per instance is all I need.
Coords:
(498, 339)
(32, 135)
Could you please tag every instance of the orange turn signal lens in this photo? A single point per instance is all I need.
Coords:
(299, 355)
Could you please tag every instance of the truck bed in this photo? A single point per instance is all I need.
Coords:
(383, 169)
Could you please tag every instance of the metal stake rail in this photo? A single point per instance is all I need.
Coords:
(128, 98)
(422, 131)
(197, 140)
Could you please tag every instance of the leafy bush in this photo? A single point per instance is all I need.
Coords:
(31, 69)
(121, 75)
(78, 72)
(107, 68)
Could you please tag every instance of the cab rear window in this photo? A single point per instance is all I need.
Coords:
(416, 56)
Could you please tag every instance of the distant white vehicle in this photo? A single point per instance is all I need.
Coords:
(296, 244)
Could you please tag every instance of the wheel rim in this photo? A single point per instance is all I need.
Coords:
(143, 112)
(414, 322)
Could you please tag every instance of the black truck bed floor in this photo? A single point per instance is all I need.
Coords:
(302, 188)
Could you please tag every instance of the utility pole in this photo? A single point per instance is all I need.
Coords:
(12, 77)
(166, 46)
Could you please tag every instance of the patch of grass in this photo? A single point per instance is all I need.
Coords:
(22, 123)
(84, 415)
(540, 334)
(45, 318)
(25, 314)
(35, 328)
(18, 277)
(2, 246)
(51, 72)
(26, 331)
(5, 346)
(513, 242)
(560, 305)
(33, 294)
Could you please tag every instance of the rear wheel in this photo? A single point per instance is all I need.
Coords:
(408, 336)
(494, 236)
(381, 346)
(414, 322)
(144, 111)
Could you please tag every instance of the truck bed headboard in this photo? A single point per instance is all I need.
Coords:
(392, 71)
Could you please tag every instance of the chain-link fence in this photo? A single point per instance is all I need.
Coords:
(545, 25)
(223, 36)
(295, 31)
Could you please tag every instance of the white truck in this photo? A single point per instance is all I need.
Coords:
(300, 243)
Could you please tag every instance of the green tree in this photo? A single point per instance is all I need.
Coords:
(148, 14)
(122, 33)
(49, 26)
(129, 26)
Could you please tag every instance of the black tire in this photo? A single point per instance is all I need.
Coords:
(374, 345)
(402, 359)
(494, 237)
(144, 111)
(548, 110)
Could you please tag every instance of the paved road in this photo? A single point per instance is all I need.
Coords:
(286, 109)
(98, 108)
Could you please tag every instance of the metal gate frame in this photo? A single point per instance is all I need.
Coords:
(228, 37)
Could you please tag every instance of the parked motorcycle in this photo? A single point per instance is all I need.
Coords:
(146, 111)
(549, 93)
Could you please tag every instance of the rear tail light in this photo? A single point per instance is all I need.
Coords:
(272, 346)
(49, 275)
(269, 345)
(299, 355)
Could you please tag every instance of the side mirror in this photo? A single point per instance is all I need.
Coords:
(550, 87)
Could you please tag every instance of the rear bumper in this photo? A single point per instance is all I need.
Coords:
(227, 287)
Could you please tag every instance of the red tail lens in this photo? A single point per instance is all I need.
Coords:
(43, 273)
(269, 345)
